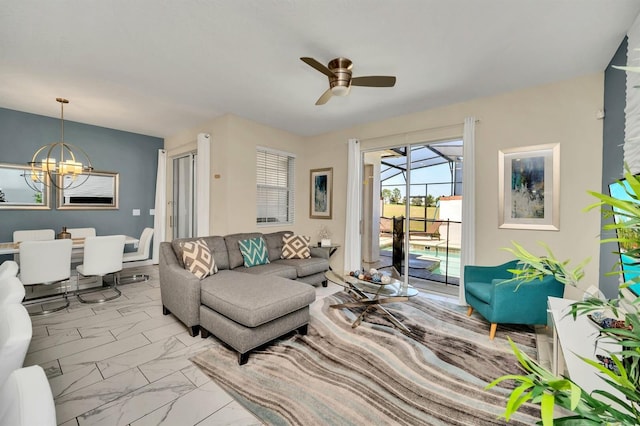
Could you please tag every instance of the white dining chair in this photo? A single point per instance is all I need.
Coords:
(8, 268)
(15, 336)
(82, 232)
(144, 249)
(46, 263)
(77, 253)
(102, 256)
(11, 291)
(32, 235)
(26, 399)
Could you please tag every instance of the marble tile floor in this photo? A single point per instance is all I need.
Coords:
(124, 363)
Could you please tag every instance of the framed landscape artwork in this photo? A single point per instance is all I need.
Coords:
(321, 194)
(529, 187)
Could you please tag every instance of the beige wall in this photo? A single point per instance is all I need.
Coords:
(233, 158)
(563, 112)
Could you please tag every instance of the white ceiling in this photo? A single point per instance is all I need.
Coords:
(157, 67)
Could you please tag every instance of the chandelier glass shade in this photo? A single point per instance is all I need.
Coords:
(59, 164)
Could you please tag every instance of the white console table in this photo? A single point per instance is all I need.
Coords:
(577, 338)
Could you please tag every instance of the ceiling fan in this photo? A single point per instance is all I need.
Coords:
(340, 80)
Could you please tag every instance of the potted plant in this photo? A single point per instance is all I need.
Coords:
(540, 386)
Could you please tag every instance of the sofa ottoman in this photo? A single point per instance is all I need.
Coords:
(245, 313)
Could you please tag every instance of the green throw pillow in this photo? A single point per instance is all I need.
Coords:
(254, 252)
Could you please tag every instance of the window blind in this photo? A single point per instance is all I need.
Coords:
(275, 184)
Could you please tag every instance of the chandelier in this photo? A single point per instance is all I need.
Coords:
(59, 164)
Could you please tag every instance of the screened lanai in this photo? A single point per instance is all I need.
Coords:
(429, 179)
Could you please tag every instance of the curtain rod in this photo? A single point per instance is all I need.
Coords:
(444, 126)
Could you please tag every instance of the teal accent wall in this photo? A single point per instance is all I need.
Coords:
(612, 157)
(134, 156)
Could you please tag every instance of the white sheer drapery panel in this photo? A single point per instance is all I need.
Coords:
(632, 108)
(468, 248)
(160, 218)
(352, 244)
(203, 179)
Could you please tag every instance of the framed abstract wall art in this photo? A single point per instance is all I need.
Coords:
(529, 187)
(321, 194)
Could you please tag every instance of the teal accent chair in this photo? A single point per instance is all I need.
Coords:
(500, 303)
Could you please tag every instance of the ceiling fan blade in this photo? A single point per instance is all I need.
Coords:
(324, 98)
(317, 65)
(374, 81)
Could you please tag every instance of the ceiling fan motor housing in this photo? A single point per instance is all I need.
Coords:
(339, 84)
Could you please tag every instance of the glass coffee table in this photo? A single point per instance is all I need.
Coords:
(372, 296)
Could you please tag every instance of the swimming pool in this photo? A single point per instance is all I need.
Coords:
(449, 264)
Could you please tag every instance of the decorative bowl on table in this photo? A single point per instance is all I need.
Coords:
(371, 276)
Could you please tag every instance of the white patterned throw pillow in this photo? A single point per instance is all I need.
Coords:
(295, 247)
(198, 259)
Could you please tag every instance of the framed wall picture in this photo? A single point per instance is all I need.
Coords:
(529, 187)
(321, 194)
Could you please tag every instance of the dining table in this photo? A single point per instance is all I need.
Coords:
(78, 243)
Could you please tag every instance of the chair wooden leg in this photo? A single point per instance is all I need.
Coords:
(469, 311)
(492, 332)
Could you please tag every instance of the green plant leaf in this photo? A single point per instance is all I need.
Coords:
(517, 398)
(546, 409)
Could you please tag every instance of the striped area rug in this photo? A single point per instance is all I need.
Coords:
(376, 375)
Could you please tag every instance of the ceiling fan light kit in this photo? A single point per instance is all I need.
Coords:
(340, 79)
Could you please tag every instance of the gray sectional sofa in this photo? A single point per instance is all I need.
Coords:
(243, 307)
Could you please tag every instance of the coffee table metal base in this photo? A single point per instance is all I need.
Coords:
(372, 303)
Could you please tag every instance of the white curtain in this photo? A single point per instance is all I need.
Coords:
(352, 245)
(203, 166)
(160, 218)
(468, 251)
(632, 108)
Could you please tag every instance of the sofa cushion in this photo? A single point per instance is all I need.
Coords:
(295, 247)
(274, 244)
(254, 252)
(231, 241)
(253, 300)
(306, 267)
(198, 259)
(277, 269)
(481, 291)
(216, 245)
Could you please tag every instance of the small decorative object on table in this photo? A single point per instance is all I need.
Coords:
(63, 235)
(324, 234)
(372, 276)
(608, 363)
(602, 321)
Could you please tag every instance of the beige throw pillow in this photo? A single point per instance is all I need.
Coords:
(198, 259)
(295, 247)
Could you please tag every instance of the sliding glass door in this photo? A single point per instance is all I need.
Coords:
(412, 203)
(183, 219)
